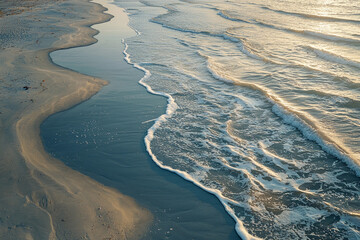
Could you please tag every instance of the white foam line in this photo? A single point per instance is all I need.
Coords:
(170, 109)
(151, 120)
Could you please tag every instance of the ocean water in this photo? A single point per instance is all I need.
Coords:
(263, 107)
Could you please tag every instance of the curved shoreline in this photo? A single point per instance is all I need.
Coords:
(57, 201)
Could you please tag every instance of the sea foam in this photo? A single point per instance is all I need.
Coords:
(171, 108)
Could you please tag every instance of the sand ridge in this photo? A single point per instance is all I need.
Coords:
(41, 198)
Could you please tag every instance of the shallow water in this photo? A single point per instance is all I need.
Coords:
(263, 112)
(103, 138)
(267, 106)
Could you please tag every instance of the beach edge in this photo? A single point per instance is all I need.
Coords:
(58, 201)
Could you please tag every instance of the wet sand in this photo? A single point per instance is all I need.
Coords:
(41, 198)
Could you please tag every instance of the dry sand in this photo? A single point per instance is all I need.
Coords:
(40, 197)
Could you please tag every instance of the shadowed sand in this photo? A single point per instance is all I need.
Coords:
(40, 197)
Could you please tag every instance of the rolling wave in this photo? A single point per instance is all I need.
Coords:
(303, 122)
(330, 37)
(343, 99)
(221, 35)
(333, 57)
(348, 80)
(243, 46)
(312, 16)
(223, 14)
(309, 33)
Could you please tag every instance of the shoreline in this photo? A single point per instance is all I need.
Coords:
(111, 127)
(57, 201)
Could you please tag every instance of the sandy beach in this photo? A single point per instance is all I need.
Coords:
(41, 198)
